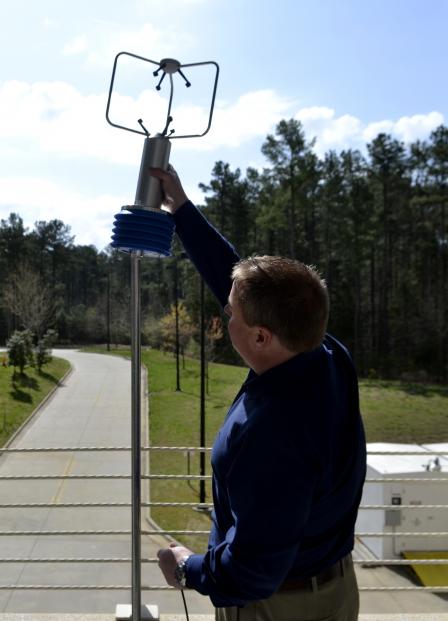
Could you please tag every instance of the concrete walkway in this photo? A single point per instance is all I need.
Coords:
(92, 408)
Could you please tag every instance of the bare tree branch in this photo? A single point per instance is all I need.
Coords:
(26, 296)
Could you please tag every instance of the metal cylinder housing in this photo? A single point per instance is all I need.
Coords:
(156, 154)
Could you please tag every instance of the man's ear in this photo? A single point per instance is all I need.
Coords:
(263, 337)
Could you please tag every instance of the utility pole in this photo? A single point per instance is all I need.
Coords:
(176, 308)
(202, 407)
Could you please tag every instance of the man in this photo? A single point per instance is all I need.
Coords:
(289, 461)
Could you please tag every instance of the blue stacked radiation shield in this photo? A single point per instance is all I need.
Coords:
(143, 226)
(151, 232)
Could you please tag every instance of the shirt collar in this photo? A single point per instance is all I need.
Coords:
(285, 372)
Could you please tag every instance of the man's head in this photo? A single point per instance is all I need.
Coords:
(286, 297)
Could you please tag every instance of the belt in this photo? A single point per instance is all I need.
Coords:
(314, 582)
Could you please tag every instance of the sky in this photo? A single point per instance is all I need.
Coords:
(347, 69)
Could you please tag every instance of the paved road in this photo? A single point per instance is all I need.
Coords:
(92, 408)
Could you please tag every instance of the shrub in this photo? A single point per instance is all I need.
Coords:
(20, 349)
(43, 349)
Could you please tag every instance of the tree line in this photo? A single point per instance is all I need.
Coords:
(373, 223)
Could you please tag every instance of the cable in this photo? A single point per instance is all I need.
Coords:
(185, 604)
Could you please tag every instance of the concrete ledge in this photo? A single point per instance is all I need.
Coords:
(179, 617)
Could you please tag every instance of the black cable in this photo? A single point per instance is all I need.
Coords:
(185, 604)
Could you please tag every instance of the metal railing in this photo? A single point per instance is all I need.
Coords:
(372, 562)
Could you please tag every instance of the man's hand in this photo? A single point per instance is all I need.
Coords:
(174, 195)
(169, 559)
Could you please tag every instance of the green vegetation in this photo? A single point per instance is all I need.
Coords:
(174, 420)
(373, 222)
(19, 396)
(392, 412)
(404, 412)
(20, 350)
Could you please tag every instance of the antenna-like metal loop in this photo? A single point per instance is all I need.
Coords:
(168, 66)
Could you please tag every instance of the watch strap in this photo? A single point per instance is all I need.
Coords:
(180, 572)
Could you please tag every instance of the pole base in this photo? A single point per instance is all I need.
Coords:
(123, 612)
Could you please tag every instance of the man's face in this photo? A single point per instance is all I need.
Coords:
(239, 331)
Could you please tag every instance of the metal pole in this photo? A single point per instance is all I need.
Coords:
(176, 306)
(202, 417)
(108, 307)
(136, 434)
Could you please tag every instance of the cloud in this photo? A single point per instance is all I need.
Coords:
(347, 131)
(45, 119)
(252, 115)
(106, 40)
(372, 130)
(90, 217)
(407, 128)
(331, 132)
(194, 194)
(49, 23)
(77, 45)
(54, 117)
(147, 7)
(35, 199)
(419, 126)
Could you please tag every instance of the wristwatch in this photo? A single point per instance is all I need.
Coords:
(180, 573)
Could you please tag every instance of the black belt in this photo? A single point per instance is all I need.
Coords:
(313, 583)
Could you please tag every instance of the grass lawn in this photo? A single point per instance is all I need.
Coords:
(19, 397)
(181, 428)
(403, 412)
(392, 412)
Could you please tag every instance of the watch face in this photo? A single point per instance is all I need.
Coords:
(179, 574)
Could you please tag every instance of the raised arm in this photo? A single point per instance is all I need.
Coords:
(212, 255)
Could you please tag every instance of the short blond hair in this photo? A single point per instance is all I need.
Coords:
(285, 296)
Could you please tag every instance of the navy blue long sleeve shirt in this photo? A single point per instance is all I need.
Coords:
(288, 462)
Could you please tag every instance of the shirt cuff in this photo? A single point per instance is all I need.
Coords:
(193, 572)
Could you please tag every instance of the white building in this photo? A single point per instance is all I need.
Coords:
(408, 494)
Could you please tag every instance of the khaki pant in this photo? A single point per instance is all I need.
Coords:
(336, 600)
